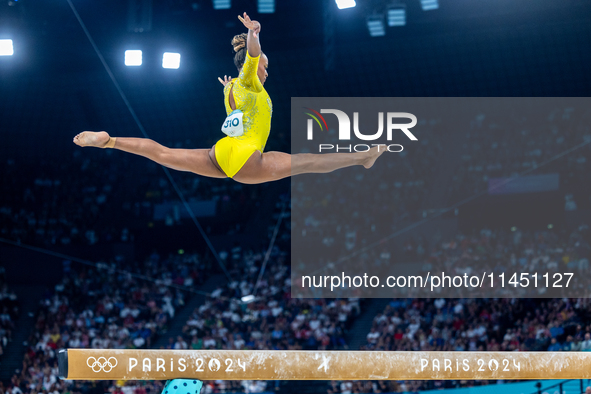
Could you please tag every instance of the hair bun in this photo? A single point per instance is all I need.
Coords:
(239, 41)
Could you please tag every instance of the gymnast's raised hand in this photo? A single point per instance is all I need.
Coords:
(251, 25)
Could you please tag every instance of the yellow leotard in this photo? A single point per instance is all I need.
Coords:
(253, 100)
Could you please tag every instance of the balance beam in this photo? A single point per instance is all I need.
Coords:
(116, 364)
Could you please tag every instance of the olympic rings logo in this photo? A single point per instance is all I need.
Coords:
(101, 364)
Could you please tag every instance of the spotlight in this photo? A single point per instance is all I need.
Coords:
(248, 299)
(397, 15)
(428, 5)
(6, 48)
(266, 6)
(375, 25)
(222, 4)
(342, 4)
(133, 58)
(171, 60)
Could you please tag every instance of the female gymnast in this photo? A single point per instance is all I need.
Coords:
(241, 156)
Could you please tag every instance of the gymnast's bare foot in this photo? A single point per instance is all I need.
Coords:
(373, 154)
(98, 139)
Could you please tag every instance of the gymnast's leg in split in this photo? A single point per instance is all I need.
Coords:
(259, 168)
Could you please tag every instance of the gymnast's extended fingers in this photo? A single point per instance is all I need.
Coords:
(225, 81)
(243, 21)
(246, 21)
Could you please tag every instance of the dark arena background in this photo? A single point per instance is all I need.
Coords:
(102, 249)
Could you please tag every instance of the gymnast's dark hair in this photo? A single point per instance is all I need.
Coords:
(239, 44)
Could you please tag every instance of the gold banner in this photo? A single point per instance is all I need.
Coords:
(113, 364)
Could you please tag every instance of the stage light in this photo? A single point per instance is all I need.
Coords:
(222, 4)
(266, 6)
(133, 58)
(248, 299)
(342, 4)
(375, 25)
(427, 5)
(171, 60)
(397, 15)
(6, 48)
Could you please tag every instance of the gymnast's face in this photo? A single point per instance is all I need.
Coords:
(262, 71)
